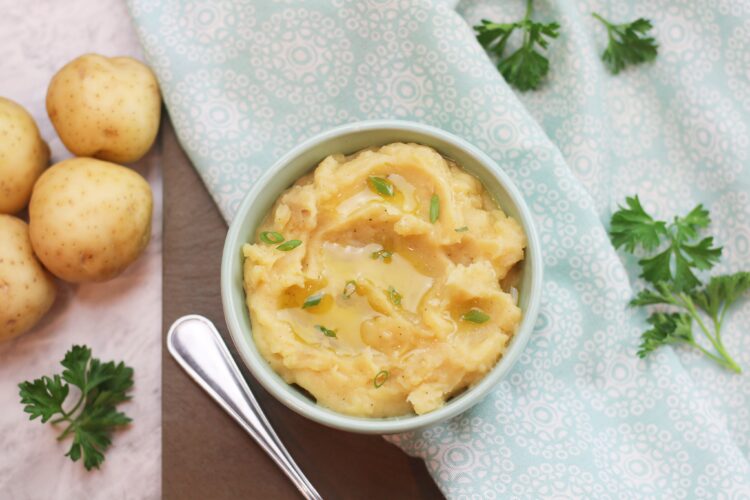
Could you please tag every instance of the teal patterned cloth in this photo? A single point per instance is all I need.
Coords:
(580, 415)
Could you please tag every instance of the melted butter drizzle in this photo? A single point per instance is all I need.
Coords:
(347, 315)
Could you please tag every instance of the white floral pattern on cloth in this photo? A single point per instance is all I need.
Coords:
(205, 32)
(301, 57)
(580, 415)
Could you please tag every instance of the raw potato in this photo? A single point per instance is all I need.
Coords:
(106, 108)
(23, 156)
(27, 291)
(89, 219)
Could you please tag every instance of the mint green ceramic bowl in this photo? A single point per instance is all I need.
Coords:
(303, 158)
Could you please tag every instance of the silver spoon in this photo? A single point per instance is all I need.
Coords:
(197, 346)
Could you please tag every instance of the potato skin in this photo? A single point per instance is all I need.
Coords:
(23, 156)
(89, 219)
(27, 291)
(107, 108)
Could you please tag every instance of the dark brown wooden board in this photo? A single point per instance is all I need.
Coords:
(207, 455)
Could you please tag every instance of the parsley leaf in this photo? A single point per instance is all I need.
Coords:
(628, 43)
(92, 434)
(686, 228)
(75, 362)
(666, 329)
(93, 418)
(656, 268)
(632, 227)
(662, 295)
(526, 67)
(43, 397)
(703, 255)
(672, 283)
(721, 292)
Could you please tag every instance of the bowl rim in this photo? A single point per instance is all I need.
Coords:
(264, 374)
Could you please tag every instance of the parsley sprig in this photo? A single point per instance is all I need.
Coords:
(672, 281)
(628, 43)
(526, 67)
(93, 418)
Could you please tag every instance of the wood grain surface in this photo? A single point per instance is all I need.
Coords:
(205, 454)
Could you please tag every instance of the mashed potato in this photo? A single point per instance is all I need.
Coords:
(385, 296)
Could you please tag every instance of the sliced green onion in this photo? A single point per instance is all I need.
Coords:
(350, 288)
(475, 316)
(380, 378)
(289, 245)
(382, 253)
(271, 237)
(394, 296)
(382, 186)
(462, 229)
(313, 300)
(325, 331)
(434, 208)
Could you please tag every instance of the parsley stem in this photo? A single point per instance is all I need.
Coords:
(527, 19)
(727, 360)
(722, 315)
(717, 324)
(81, 400)
(688, 304)
(716, 358)
(721, 321)
(77, 405)
(65, 433)
(529, 9)
(731, 363)
(600, 18)
(67, 415)
(610, 27)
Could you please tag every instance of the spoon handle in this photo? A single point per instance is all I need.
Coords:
(197, 346)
